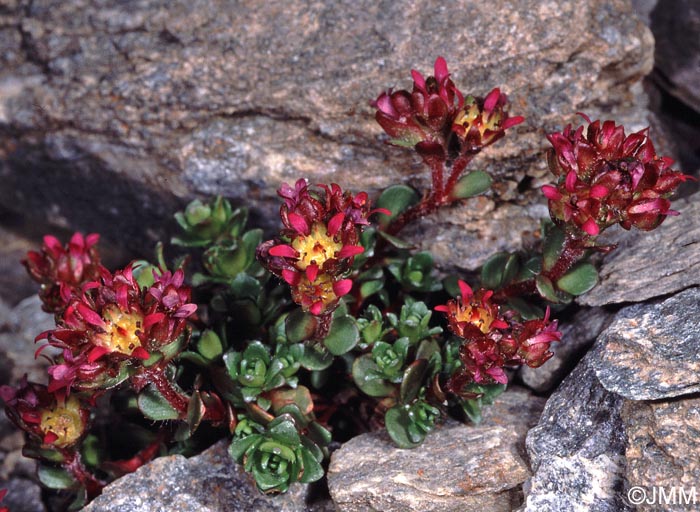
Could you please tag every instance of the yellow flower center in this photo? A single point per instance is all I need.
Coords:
(471, 115)
(120, 332)
(64, 422)
(321, 290)
(476, 315)
(317, 247)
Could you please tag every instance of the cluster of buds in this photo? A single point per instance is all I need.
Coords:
(62, 270)
(321, 238)
(52, 419)
(492, 341)
(606, 178)
(113, 324)
(436, 117)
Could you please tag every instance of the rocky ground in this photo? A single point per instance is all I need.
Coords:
(112, 118)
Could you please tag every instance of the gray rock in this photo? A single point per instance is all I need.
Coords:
(22, 324)
(115, 114)
(677, 23)
(458, 467)
(651, 264)
(22, 496)
(209, 482)
(650, 351)
(662, 451)
(577, 449)
(577, 337)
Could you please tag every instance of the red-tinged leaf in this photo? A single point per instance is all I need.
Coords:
(283, 251)
(291, 277)
(185, 310)
(90, 316)
(465, 290)
(591, 227)
(342, 287)
(350, 250)
(598, 191)
(53, 245)
(50, 438)
(512, 121)
(92, 239)
(96, 353)
(335, 223)
(551, 192)
(316, 308)
(140, 353)
(152, 319)
(440, 68)
(312, 272)
(492, 99)
(299, 223)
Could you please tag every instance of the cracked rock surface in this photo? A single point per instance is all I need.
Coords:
(112, 115)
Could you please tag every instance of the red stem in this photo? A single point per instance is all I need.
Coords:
(573, 250)
(75, 466)
(457, 170)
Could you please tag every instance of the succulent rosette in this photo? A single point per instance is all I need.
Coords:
(115, 323)
(319, 242)
(606, 177)
(279, 456)
(61, 270)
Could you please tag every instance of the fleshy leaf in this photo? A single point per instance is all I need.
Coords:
(580, 279)
(413, 379)
(209, 345)
(397, 423)
(316, 358)
(365, 374)
(473, 184)
(396, 199)
(343, 335)
(300, 326)
(552, 247)
(55, 478)
(154, 406)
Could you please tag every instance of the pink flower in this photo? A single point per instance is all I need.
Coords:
(321, 239)
(606, 178)
(62, 270)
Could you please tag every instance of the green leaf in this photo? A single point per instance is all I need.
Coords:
(396, 199)
(580, 279)
(301, 397)
(55, 478)
(300, 326)
(154, 406)
(546, 289)
(209, 345)
(312, 468)
(552, 247)
(413, 380)
(239, 446)
(285, 431)
(397, 423)
(343, 335)
(473, 184)
(365, 374)
(395, 241)
(527, 310)
(493, 269)
(195, 411)
(316, 358)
